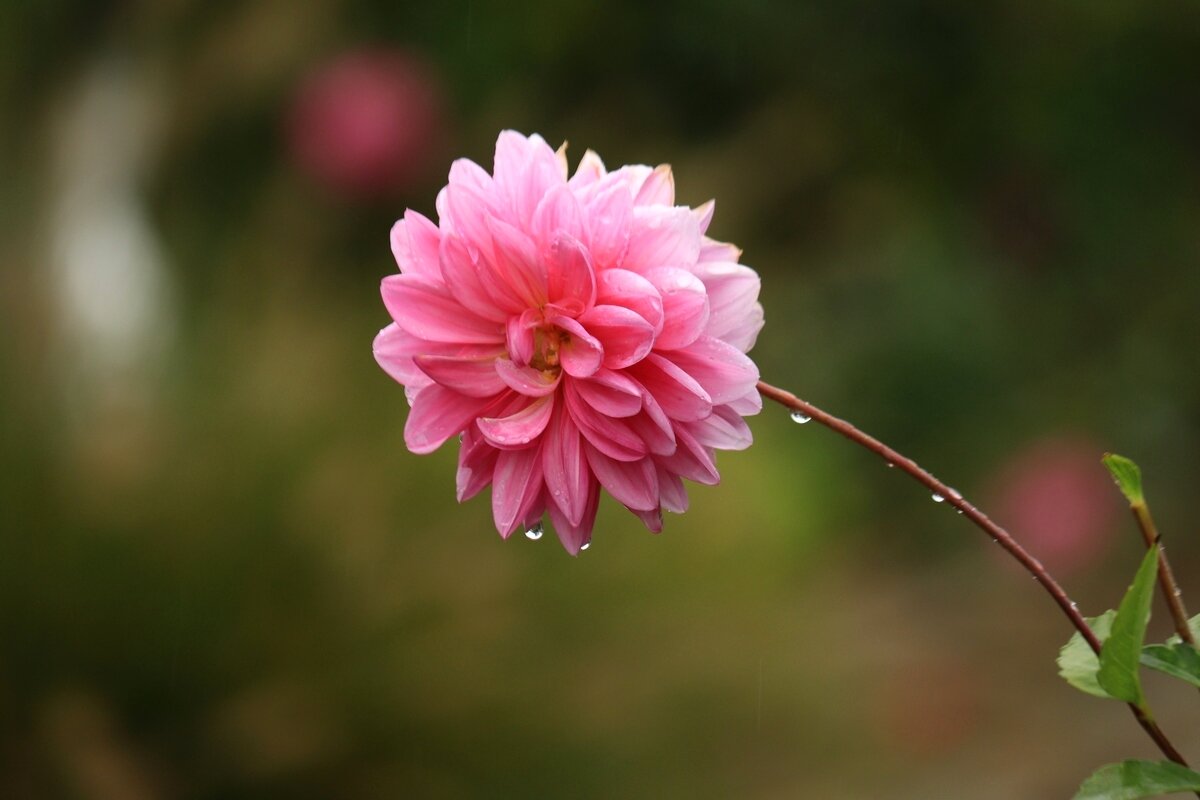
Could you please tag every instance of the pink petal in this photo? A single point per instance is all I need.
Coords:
(474, 377)
(517, 263)
(653, 519)
(725, 372)
(633, 483)
(631, 176)
(748, 404)
(475, 283)
(572, 281)
(575, 536)
(711, 250)
(653, 426)
(415, 243)
(611, 436)
(610, 393)
(465, 214)
(704, 215)
(439, 413)
(476, 462)
(525, 169)
(565, 467)
(658, 189)
(662, 237)
(527, 380)
(624, 334)
(583, 354)
(671, 493)
(610, 214)
(520, 428)
(691, 460)
(590, 170)
(745, 332)
(620, 287)
(679, 394)
(426, 310)
(395, 349)
(735, 314)
(392, 349)
(560, 156)
(516, 483)
(685, 306)
(465, 171)
(724, 429)
(518, 335)
(559, 214)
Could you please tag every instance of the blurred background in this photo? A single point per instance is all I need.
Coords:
(223, 576)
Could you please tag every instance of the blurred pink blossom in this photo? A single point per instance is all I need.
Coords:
(1057, 499)
(580, 333)
(366, 123)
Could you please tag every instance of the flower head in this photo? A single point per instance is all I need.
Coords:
(580, 333)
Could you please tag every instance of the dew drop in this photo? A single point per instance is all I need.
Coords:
(959, 510)
(891, 465)
(535, 532)
(937, 498)
(799, 417)
(585, 545)
(955, 494)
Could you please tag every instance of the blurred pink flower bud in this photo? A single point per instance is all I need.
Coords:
(1058, 500)
(367, 123)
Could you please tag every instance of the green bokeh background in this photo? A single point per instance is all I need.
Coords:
(223, 576)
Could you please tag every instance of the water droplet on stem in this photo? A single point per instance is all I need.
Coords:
(799, 417)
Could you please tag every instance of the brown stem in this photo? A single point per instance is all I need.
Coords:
(1166, 577)
(998, 534)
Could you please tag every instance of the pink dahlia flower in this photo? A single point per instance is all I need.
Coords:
(580, 333)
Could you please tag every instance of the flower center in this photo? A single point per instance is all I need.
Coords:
(547, 342)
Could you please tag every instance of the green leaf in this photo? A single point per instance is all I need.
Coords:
(1078, 664)
(1127, 475)
(1194, 625)
(1130, 780)
(1177, 660)
(1121, 654)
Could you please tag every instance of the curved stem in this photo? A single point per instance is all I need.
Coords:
(981, 520)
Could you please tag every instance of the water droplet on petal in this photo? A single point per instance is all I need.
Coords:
(535, 532)
(585, 545)
(937, 498)
(799, 417)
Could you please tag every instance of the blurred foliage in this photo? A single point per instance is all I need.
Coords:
(221, 574)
